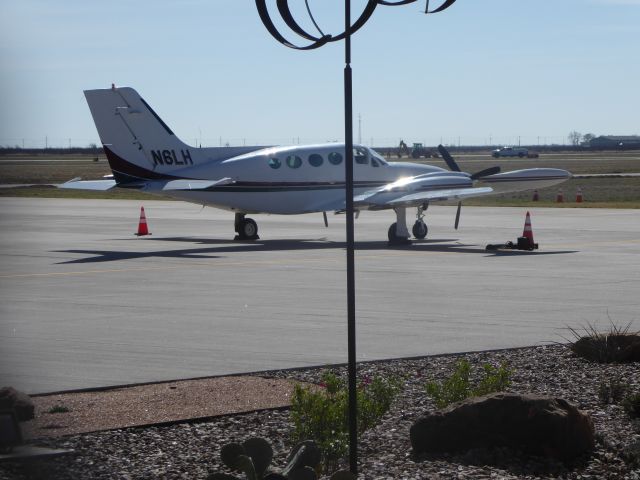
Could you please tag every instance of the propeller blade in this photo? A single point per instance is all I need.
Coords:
(486, 172)
(458, 215)
(326, 222)
(451, 163)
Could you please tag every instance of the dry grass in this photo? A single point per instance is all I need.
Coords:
(616, 345)
(611, 192)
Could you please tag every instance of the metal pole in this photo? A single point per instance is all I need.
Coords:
(351, 301)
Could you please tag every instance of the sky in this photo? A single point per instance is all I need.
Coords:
(481, 72)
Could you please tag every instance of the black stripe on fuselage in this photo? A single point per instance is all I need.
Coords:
(126, 172)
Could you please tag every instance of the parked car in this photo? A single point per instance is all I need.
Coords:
(510, 152)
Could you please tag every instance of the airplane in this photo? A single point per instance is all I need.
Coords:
(144, 154)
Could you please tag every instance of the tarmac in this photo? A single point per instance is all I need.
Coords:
(84, 303)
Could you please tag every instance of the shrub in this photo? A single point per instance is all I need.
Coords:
(612, 391)
(616, 345)
(58, 409)
(322, 414)
(631, 404)
(458, 387)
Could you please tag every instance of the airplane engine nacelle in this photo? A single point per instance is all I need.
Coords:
(431, 181)
(418, 185)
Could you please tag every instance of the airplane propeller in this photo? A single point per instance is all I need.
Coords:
(454, 167)
(458, 214)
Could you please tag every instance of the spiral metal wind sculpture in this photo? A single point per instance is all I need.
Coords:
(317, 41)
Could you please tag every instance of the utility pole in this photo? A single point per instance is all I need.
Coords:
(317, 42)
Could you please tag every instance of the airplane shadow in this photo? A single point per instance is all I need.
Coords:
(221, 248)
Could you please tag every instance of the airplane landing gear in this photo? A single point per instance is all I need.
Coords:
(246, 228)
(398, 232)
(420, 228)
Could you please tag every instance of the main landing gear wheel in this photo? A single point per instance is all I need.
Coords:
(246, 228)
(419, 229)
(394, 239)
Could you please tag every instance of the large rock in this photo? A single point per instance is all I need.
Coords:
(21, 403)
(538, 425)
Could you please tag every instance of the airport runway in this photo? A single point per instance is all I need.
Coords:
(85, 303)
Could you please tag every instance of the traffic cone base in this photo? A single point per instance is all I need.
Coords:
(142, 224)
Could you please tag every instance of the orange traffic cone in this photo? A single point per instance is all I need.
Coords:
(528, 232)
(579, 195)
(525, 242)
(560, 197)
(142, 225)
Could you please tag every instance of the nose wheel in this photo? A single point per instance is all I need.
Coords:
(420, 229)
(246, 228)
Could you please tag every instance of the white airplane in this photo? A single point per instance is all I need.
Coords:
(144, 154)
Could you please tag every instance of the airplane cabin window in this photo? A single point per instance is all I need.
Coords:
(315, 160)
(360, 156)
(274, 162)
(294, 161)
(381, 161)
(335, 158)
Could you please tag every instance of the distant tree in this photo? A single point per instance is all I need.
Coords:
(587, 137)
(574, 138)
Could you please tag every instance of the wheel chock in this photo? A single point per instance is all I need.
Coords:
(523, 243)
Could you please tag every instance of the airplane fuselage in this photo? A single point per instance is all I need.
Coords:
(298, 179)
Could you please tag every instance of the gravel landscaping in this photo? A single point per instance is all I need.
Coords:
(191, 450)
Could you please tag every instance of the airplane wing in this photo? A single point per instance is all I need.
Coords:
(439, 196)
(444, 186)
(382, 200)
(415, 191)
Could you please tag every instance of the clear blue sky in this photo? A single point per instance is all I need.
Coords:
(491, 69)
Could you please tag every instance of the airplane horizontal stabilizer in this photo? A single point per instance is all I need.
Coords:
(185, 184)
(78, 184)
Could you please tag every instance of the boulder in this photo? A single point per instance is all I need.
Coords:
(537, 425)
(21, 403)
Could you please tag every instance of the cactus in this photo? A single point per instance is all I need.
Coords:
(254, 455)
(260, 452)
(304, 473)
(304, 454)
(235, 457)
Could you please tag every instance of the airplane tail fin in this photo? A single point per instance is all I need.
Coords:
(138, 144)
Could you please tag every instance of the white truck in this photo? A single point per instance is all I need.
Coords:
(513, 152)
